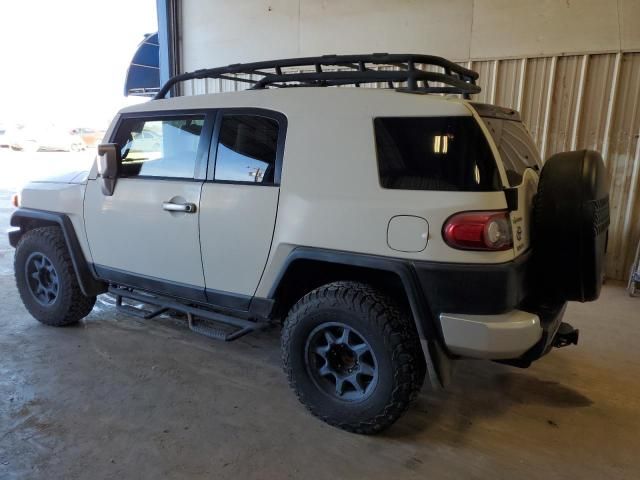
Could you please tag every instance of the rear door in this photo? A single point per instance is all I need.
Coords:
(521, 161)
(239, 203)
(146, 234)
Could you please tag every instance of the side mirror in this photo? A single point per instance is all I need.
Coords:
(108, 160)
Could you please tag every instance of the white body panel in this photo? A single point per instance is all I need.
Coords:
(236, 228)
(65, 198)
(521, 218)
(130, 231)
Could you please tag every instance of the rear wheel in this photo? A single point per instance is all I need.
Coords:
(46, 279)
(352, 356)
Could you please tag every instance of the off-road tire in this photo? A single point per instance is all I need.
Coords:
(570, 223)
(392, 336)
(70, 304)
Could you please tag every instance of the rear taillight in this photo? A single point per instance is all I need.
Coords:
(15, 200)
(479, 231)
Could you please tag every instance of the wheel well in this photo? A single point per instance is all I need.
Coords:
(89, 284)
(27, 224)
(304, 275)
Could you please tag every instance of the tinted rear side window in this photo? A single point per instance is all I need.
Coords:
(247, 148)
(434, 153)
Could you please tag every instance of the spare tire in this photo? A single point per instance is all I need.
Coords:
(570, 223)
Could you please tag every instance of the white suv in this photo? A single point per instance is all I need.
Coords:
(391, 231)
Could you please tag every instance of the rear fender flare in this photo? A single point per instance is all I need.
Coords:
(439, 364)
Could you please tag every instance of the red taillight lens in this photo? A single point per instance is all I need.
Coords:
(479, 231)
(15, 200)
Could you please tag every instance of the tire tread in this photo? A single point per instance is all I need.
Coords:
(399, 334)
(79, 305)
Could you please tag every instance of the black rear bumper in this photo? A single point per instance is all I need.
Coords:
(490, 289)
(475, 289)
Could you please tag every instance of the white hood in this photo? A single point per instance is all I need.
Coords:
(76, 177)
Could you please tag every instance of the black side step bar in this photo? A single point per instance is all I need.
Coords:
(200, 320)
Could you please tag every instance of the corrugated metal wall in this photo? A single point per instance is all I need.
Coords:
(582, 101)
(568, 102)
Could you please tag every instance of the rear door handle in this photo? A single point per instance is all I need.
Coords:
(179, 207)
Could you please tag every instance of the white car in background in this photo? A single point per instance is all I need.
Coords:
(48, 137)
(4, 135)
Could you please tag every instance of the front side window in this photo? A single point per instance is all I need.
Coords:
(247, 148)
(434, 153)
(160, 147)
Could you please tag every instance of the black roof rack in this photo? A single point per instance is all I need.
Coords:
(409, 70)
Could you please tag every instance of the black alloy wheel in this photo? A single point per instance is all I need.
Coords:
(341, 362)
(42, 278)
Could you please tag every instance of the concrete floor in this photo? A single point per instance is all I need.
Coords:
(117, 397)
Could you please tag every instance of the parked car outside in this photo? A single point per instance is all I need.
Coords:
(90, 136)
(3, 136)
(28, 138)
(7, 133)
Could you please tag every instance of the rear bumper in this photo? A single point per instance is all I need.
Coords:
(476, 288)
(517, 337)
(550, 321)
(502, 336)
(489, 311)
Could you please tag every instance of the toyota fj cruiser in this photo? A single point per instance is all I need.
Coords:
(391, 230)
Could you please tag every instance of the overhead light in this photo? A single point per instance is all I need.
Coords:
(440, 144)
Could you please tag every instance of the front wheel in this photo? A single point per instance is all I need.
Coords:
(352, 356)
(46, 279)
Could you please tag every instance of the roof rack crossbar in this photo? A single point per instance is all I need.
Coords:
(329, 70)
(370, 76)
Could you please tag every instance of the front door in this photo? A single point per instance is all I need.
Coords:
(146, 235)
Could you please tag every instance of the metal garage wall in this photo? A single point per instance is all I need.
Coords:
(220, 32)
(582, 101)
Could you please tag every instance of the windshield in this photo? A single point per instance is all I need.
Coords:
(516, 147)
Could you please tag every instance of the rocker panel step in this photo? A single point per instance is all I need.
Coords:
(200, 320)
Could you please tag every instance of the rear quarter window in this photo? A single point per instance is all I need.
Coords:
(516, 147)
(434, 153)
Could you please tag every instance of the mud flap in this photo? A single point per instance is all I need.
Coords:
(439, 365)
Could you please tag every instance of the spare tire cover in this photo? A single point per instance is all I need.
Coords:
(570, 223)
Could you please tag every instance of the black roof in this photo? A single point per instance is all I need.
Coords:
(405, 72)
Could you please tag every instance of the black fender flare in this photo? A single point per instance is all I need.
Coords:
(87, 280)
(439, 364)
